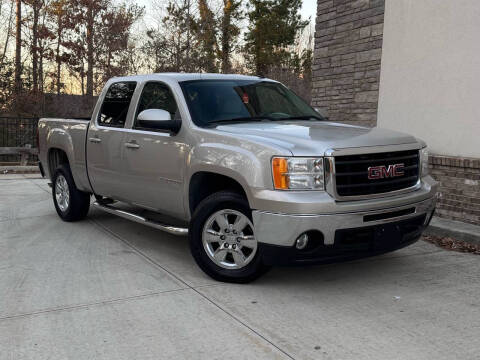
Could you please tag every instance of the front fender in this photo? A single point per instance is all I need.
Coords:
(238, 163)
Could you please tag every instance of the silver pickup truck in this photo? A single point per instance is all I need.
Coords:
(252, 173)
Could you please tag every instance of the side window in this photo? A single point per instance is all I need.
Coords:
(156, 95)
(116, 103)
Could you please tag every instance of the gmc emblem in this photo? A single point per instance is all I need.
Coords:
(384, 172)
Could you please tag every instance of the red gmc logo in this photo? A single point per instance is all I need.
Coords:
(384, 172)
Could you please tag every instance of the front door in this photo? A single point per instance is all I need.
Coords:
(155, 160)
(105, 140)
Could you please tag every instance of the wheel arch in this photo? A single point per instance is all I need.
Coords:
(205, 183)
(56, 157)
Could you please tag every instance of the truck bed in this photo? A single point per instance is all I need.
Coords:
(69, 136)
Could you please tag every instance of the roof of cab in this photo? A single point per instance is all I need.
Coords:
(179, 77)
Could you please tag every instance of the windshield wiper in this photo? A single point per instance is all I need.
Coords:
(240, 120)
(306, 117)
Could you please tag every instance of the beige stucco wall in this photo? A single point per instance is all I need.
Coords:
(430, 74)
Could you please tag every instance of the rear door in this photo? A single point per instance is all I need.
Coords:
(154, 159)
(106, 138)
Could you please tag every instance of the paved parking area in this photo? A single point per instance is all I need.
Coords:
(106, 288)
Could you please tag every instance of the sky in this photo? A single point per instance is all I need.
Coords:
(308, 8)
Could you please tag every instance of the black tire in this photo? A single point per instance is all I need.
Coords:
(213, 203)
(79, 201)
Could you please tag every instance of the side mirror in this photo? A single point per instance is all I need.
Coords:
(158, 119)
(322, 112)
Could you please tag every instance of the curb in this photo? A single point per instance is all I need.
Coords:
(19, 170)
(455, 229)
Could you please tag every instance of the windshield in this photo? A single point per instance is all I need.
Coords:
(216, 101)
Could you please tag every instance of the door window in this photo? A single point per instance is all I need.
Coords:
(116, 104)
(156, 95)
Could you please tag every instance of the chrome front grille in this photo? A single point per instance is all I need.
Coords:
(351, 173)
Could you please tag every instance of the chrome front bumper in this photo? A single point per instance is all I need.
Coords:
(282, 230)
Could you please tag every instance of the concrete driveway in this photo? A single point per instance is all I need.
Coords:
(106, 288)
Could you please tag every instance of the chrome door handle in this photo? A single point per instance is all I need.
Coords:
(95, 140)
(132, 145)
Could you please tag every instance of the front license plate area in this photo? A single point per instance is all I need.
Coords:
(385, 236)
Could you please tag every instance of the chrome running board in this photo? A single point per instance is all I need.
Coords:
(141, 220)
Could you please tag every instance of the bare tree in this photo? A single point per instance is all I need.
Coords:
(113, 39)
(170, 45)
(18, 49)
(229, 31)
(90, 17)
(59, 11)
(7, 36)
(189, 28)
(36, 6)
(206, 30)
(100, 33)
(73, 46)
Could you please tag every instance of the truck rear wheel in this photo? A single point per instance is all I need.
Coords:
(222, 239)
(71, 204)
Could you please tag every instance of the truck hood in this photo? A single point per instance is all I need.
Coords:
(309, 138)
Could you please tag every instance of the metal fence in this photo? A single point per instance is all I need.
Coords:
(18, 132)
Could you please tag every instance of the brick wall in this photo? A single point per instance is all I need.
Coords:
(348, 51)
(346, 78)
(459, 187)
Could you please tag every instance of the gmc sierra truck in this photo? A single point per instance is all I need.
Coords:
(253, 174)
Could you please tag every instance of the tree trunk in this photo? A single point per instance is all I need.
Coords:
(90, 59)
(18, 49)
(36, 11)
(57, 58)
(40, 73)
(41, 57)
(82, 79)
(260, 66)
(226, 45)
(207, 36)
(9, 28)
(188, 67)
(109, 59)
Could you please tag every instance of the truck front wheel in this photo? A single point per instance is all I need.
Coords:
(222, 239)
(71, 204)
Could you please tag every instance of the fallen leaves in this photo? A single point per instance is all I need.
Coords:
(449, 243)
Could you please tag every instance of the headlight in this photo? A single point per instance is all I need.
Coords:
(424, 162)
(298, 173)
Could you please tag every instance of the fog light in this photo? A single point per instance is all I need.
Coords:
(302, 242)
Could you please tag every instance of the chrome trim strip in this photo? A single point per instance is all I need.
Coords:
(373, 149)
(141, 220)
